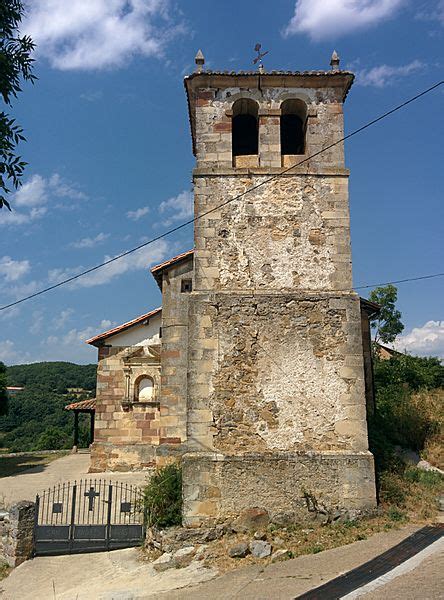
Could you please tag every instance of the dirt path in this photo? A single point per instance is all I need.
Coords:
(100, 576)
(26, 485)
(120, 575)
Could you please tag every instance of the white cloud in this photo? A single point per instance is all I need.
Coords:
(322, 19)
(13, 269)
(178, 208)
(33, 196)
(98, 34)
(137, 214)
(37, 322)
(91, 242)
(92, 96)
(69, 346)
(9, 313)
(141, 259)
(18, 218)
(427, 340)
(64, 189)
(31, 193)
(386, 74)
(22, 289)
(431, 11)
(60, 320)
(79, 336)
(10, 356)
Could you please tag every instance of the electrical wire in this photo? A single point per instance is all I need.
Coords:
(232, 199)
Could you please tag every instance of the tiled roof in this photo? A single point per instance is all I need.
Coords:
(329, 73)
(123, 327)
(158, 269)
(89, 404)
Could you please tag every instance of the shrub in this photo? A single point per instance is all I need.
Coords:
(391, 489)
(396, 515)
(162, 497)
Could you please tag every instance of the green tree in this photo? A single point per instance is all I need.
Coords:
(387, 324)
(3, 392)
(15, 65)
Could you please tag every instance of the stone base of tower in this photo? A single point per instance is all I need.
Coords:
(218, 487)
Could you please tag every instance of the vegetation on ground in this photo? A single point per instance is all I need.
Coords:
(5, 569)
(36, 418)
(162, 497)
(14, 465)
(3, 392)
(55, 377)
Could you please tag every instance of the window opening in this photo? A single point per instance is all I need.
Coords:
(145, 389)
(292, 125)
(186, 286)
(245, 128)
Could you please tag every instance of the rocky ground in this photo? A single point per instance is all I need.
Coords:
(256, 539)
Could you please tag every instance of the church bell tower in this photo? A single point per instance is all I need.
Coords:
(275, 401)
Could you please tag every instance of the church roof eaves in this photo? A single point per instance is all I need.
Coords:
(89, 404)
(94, 341)
(157, 270)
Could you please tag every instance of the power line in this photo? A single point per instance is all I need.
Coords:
(363, 287)
(234, 198)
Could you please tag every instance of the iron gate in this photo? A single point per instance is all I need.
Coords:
(86, 516)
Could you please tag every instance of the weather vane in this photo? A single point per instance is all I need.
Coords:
(260, 56)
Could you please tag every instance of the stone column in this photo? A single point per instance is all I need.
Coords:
(269, 138)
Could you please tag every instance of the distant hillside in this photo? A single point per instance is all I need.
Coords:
(53, 376)
(36, 419)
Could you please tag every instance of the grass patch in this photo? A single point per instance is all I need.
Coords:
(4, 570)
(14, 465)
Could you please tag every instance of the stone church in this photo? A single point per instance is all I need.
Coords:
(256, 371)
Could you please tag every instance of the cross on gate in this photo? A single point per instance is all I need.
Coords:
(91, 494)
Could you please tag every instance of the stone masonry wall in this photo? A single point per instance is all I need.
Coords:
(16, 533)
(292, 233)
(213, 124)
(173, 399)
(276, 372)
(276, 382)
(218, 487)
(126, 432)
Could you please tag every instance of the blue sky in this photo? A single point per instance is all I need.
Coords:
(110, 158)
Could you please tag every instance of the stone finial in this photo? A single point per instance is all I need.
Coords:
(334, 61)
(199, 59)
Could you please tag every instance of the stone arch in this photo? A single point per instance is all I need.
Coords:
(245, 127)
(293, 123)
(144, 388)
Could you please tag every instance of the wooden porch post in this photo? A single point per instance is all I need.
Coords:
(76, 431)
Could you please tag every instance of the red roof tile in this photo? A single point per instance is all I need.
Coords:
(123, 327)
(89, 404)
